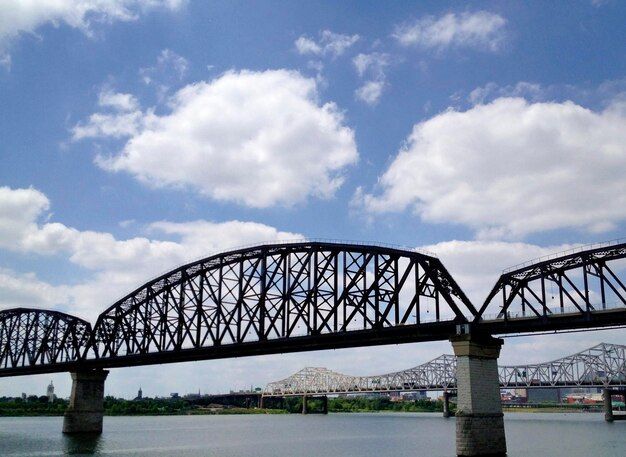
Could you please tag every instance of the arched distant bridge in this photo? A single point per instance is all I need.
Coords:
(311, 296)
(603, 365)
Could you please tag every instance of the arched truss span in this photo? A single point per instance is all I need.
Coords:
(438, 374)
(581, 289)
(603, 365)
(282, 298)
(33, 339)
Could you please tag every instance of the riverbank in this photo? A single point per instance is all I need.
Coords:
(40, 406)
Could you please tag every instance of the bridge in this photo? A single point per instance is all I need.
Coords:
(603, 365)
(304, 296)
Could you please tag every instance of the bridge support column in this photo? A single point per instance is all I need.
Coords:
(479, 417)
(304, 409)
(446, 404)
(325, 404)
(86, 409)
(608, 405)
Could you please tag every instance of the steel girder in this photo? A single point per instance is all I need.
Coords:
(603, 365)
(282, 298)
(580, 289)
(33, 340)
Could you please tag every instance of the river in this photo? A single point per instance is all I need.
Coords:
(346, 435)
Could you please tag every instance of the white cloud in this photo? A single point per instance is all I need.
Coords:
(490, 91)
(118, 101)
(115, 266)
(27, 291)
(511, 168)
(480, 30)
(334, 44)
(306, 45)
(123, 119)
(115, 125)
(370, 92)
(18, 16)
(19, 210)
(169, 70)
(256, 138)
(373, 66)
(203, 235)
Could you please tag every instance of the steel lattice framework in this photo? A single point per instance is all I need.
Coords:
(282, 298)
(603, 365)
(312, 296)
(34, 340)
(576, 290)
(438, 374)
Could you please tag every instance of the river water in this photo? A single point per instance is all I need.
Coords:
(334, 435)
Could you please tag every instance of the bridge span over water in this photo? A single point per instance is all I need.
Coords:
(311, 296)
(316, 295)
(603, 365)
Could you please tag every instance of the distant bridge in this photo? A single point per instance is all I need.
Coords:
(603, 365)
(309, 296)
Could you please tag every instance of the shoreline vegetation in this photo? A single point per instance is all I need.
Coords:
(40, 406)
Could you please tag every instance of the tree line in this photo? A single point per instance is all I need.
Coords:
(41, 406)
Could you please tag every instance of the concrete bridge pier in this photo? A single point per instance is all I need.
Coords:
(305, 406)
(325, 404)
(608, 404)
(446, 403)
(479, 417)
(86, 409)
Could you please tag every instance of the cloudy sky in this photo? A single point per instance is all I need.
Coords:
(137, 135)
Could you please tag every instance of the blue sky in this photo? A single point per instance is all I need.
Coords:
(139, 135)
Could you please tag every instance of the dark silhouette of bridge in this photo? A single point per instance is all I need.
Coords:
(310, 296)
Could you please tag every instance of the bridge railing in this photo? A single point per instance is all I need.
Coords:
(565, 253)
(553, 311)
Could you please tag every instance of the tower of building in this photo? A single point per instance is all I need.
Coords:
(50, 392)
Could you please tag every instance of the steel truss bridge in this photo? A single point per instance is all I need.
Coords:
(309, 296)
(603, 365)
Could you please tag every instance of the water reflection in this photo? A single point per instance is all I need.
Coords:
(82, 443)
